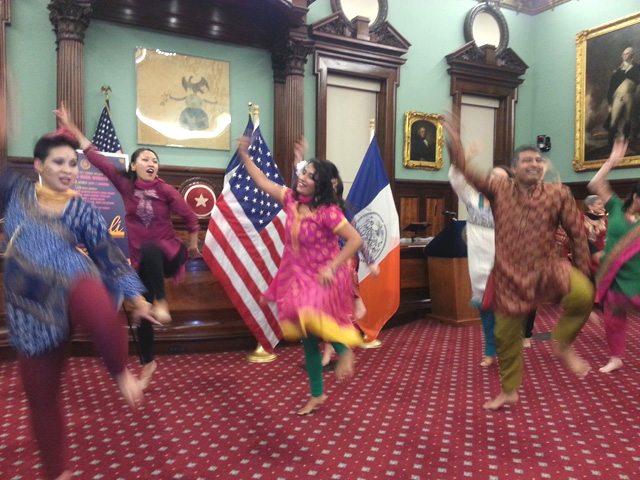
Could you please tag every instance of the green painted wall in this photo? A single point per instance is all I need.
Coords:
(554, 77)
(546, 102)
(109, 60)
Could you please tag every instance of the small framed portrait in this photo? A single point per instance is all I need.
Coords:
(423, 140)
(607, 92)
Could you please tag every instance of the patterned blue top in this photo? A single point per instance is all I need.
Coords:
(42, 262)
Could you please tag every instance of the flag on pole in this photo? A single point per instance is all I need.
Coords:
(375, 217)
(245, 239)
(105, 138)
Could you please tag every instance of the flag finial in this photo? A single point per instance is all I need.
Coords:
(254, 112)
(106, 91)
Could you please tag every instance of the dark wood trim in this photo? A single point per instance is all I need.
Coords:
(330, 62)
(530, 7)
(256, 23)
(378, 57)
(425, 189)
(484, 72)
(622, 188)
(5, 19)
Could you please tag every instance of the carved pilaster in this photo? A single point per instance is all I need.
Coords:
(70, 20)
(288, 59)
(5, 19)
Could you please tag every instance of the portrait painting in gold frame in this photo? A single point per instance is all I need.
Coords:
(182, 101)
(607, 92)
(423, 140)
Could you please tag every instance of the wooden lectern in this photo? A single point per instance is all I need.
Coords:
(449, 282)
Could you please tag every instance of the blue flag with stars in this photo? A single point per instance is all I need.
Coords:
(105, 138)
(258, 207)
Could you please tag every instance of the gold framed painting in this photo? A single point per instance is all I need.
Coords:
(423, 140)
(182, 101)
(607, 92)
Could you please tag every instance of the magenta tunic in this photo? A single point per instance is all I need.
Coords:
(148, 207)
(304, 305)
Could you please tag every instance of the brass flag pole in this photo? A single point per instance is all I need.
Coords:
(259, 355)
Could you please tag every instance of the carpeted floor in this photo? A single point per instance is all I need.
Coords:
(412, 411)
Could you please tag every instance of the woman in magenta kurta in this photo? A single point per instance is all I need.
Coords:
(313, 287)
(156, 251)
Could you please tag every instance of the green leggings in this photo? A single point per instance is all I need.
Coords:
(313, 360)
(576, 304)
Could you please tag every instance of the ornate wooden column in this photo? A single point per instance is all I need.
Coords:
(288, 59)
(70, 19)
(5, 19)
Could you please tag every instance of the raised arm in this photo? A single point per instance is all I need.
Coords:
(273, 189)
(95, 158)
(64, 119)
(599, 183)
(458, 157)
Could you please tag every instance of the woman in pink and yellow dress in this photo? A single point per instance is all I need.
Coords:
(313, 287)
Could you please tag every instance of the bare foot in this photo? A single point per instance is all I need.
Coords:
(344, 367)
(147, 373)
(66, 475)
(504, 398)
(160, 311)
(130, 388)
(487, 361)
(526, 342)
(614, 364)
(572, 360)
(327, 353)
(312, 405)
(359, 310)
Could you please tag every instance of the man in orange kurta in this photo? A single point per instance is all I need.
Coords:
(527, 269)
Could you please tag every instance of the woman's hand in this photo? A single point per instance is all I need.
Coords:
(298, 149)
(141, 310)
(618, 151)
(62, 114)
(326, 275)
(243, 148)
(374, 269)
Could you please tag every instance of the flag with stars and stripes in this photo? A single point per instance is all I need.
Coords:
(105, 138)
(245, 239)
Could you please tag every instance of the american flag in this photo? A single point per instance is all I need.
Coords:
(105, 138)
(244, 242)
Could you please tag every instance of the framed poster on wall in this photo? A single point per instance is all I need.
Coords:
(182, 101)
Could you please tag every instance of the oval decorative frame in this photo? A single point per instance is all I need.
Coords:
(498, 17)
(336, 6)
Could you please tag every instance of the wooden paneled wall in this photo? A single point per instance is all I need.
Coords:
(424, 202)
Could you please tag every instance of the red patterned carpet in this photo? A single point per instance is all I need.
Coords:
(412, 411)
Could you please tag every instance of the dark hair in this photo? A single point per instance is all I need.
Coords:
(523, 148)
(59, 138)
(339, 188)
(629, 200)
(324, 194)
(507, 170)
(130, 174)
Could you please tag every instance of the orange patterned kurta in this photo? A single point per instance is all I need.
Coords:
(528, 270)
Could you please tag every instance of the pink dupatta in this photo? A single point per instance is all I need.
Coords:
(626, 248)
